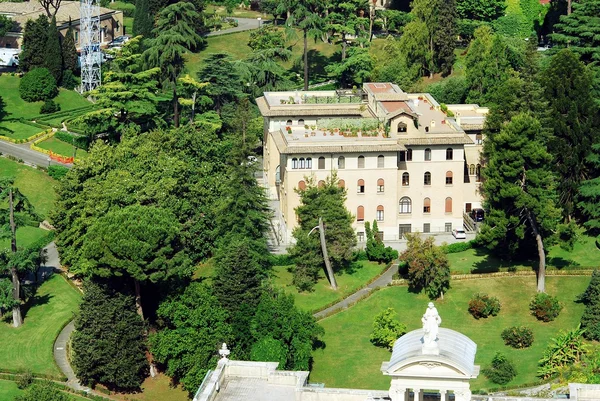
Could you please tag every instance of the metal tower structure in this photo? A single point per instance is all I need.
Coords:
(89, 34)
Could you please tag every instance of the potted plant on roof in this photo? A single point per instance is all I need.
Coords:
(288, 129)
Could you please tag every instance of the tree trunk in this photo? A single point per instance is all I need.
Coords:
(569, 7)
(344, 46)
(305, 60)
(175, 107)
(138, 299)
(325, 255)
(17, 318)
(541, 273)
(193, 107)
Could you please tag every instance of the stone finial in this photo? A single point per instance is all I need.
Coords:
(224, 351)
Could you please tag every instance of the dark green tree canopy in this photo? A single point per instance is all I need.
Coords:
(69, 51)
(142, 19)
(482, 10)
(34, 44)
(53, 53)
(580, 30)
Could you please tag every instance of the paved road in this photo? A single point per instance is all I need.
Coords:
(31, 157)
(244, 24)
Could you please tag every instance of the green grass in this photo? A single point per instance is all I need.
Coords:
(15, 107)
(347, 333)
(33, 183)
(25, 237)
(237, 12)
(30, 346)
(62, 148)
(156, 388)
(128, 26)
(9, 390)
(323, 295)
(18, 130)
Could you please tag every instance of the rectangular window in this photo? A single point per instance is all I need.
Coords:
(426, 227)
(468, 207)
(404, 229)
(448, 180)
(360, 236)
(402, 156)
(448, 227)
(360, 189)
(321, 163)
(426, 209)
(380, 188)
(380, 215)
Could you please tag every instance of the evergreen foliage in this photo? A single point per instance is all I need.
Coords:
(590, 321)
(376, 250)
(564, 350)
(327, 202)
(53, 54)
(482, 306)
(142, 19)
(69, 55)
(501, 370)
(481, 10)
(44, 391)
(387, 329)
(450, 91)
(49, 106)
(518, 337)
(428, 266)
(444, 40)
(345, 20)
(35, 36)
(353, 70)
(545, 307)
(268, 349)
(37, 84)
(224, 79)
(108, 343)
(580, 30)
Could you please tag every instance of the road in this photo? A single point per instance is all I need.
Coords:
(244, 24)
(31, 157)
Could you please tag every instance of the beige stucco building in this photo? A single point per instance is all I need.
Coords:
(111, 21)
(404, 161)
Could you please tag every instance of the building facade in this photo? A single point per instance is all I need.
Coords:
(404, 161)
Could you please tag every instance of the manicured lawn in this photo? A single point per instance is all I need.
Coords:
(348, 283)
(9, 390)
(156, 388)
(62, 148)
(237, 12)
(33, 183)
(18, 130)
(350, 360)
(128, 26)
(15, 107)
(30, 346)
(25, 237)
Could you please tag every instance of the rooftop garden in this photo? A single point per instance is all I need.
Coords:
(366, 127)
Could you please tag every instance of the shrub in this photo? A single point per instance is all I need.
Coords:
(590, 321)
(501, 371)
(386, 329)
(37, 84)
(49, 106)
(23, 381)
(459, 246)
(57, 172)
(482, 306)
(518, 337)
(269, 350)
(42, 391)
(545, 307)
(564, 350)
(69, 80)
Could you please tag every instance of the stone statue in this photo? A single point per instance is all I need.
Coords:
(431, 321)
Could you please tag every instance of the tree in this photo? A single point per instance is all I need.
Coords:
(346, 19)
(44, 391)
(564, 350)
(444, 40)
(192, 93)
(69, 52)
(519, 192)
(193, 327)
(277, 317)
(6, 25)
(51, 7)
(387, 329)
(579, 30)
(590, 321)
(37, 84)
(376, 250)
(174, 35)
(34, 44)
(414, 45)
(501, 370)
(53, 55)
(139, 242)
(428, 266)
(270, 7)
(224, 79)
(354, 70)
(108, 342)
(567, 85)
(589, 194)
(480, 10)
(265, 38)
(142, 19)
(327, 202)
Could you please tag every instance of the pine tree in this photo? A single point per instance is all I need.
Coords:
(34, 44)
(444, 40)
(580, 30)
(69, 51)
(142, 19)
(590, 321)
(589, 194)
(53, 54)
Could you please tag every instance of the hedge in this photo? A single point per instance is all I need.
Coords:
(459, 246)
(80, 142)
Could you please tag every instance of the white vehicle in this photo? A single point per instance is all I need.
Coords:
(459, 233)
(9, 57)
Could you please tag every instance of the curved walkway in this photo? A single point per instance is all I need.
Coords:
(60, 356)
(381, 281)
(244, 24)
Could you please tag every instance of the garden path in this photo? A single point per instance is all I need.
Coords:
(244, 24)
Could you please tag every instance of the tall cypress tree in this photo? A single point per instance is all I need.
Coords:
(445, 37)
(69, 51)
(142, 19)
(34, 44)
(53, 55)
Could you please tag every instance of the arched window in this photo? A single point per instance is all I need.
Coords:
(321, 184)
(341, 163)
(405, 205)
(405, 179)
(472, 169)
(321, 163)
(380, 161)
(278, 174)
(301, 185)
(360, 213)
(427, 178)
(448, 177)
(361, 162)
(449, 154)
(379, 215)
(301, 163)
(426, 129)
(426, 205)
(288, 122)
(380, 185)
(308, 162)
(360, 187)
(448, 205)
(342, 184)
(427, 154)
(294, 163)
(478, 173)
(408, 155)
(301, 122)
(401, 127)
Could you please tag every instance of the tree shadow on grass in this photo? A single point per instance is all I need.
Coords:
(560, 263)
(36, 300)
(316, 64)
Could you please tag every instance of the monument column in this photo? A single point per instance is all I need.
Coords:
(444, 396)
(418, 394)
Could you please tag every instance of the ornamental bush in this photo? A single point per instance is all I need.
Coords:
(57, 172)
(501, 370)
(37, 84)
(386, 329)
(545, 307)
(482, 306)
(518, 336)
(49, 106)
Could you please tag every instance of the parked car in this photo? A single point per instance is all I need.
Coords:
(118, 41)
(459, 233)
(9, 57)
(477, 215)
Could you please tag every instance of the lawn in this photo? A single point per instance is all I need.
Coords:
(62, 148)
(30, 346)
(128, 26)
(323, 295)
(350, 360)
(25, 236)
(237, 12)
(33, 183)
(479, 260)
(156, 388)
(9, 390)
(18, 130)
(15, 107)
